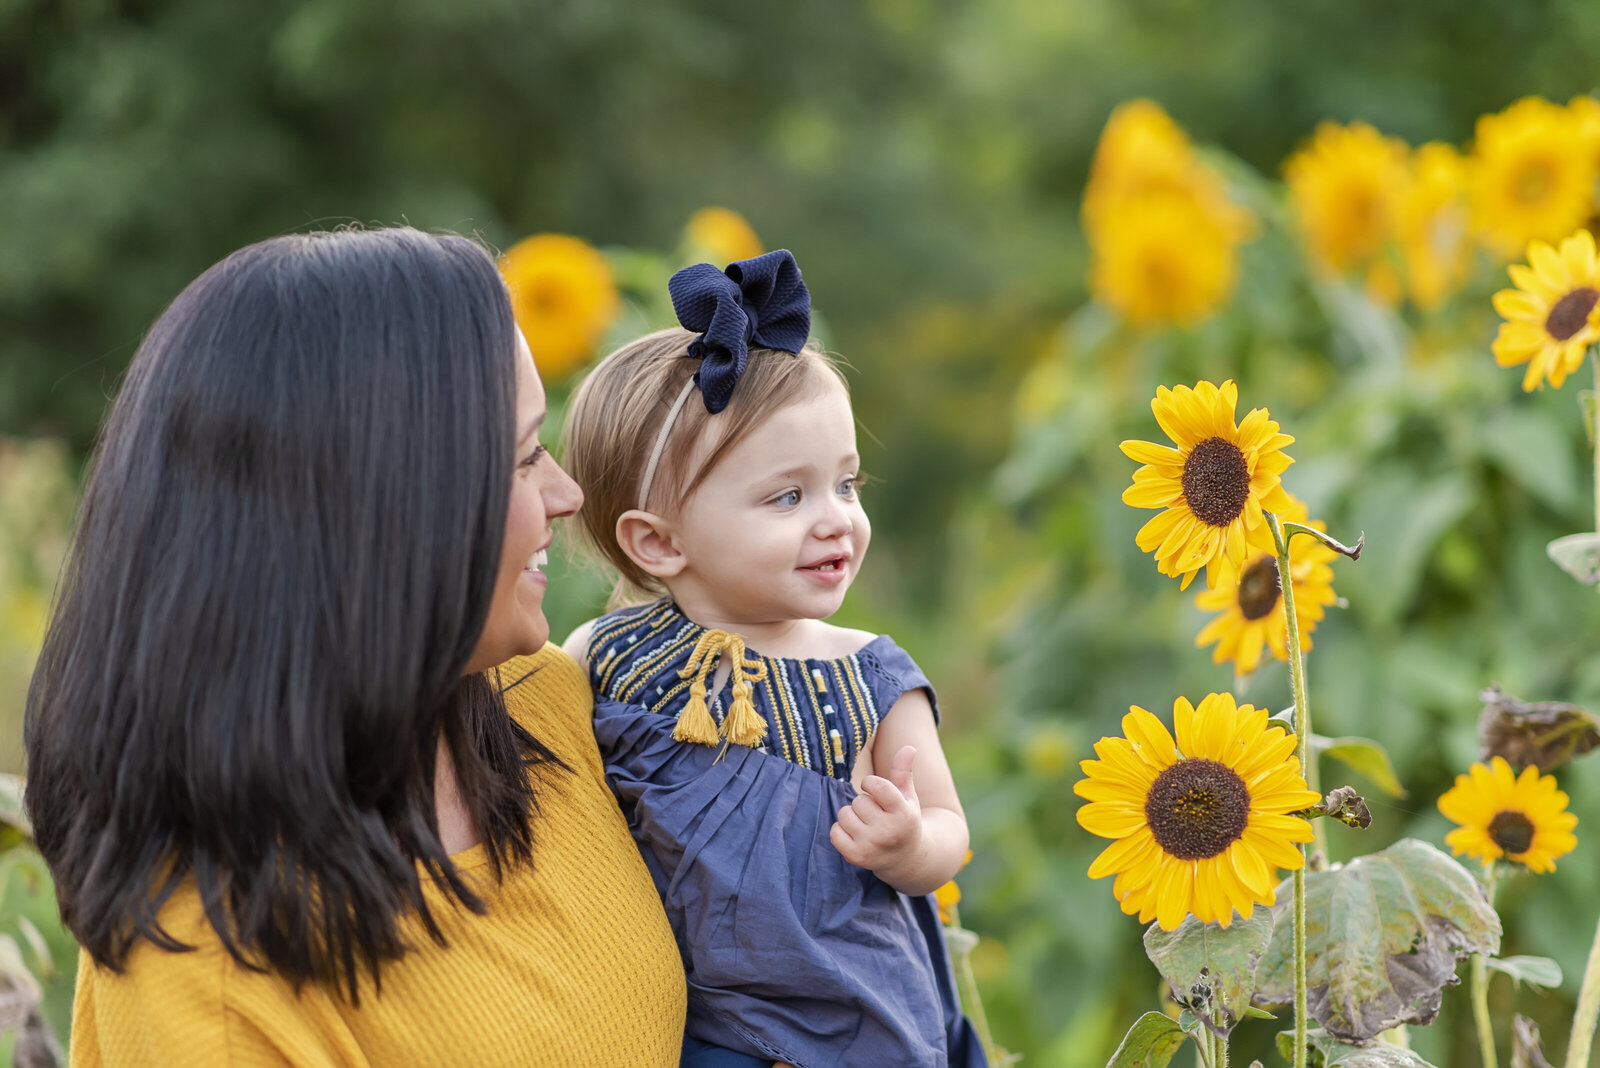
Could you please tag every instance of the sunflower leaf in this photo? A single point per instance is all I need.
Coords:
(1150, 1043)
(1535, 971)
(1327, 1052)
(1383, 936)
(1365, 756)
(1579, 556)
(1211, 969)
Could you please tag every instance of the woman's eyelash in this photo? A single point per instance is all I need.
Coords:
(533, 457)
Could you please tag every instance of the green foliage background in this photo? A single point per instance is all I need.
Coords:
(924, 160)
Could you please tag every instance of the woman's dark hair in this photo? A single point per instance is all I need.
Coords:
(283, 561)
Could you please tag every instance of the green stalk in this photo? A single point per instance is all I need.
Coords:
(1480, 988)
(1302, 726)
(967, 991)
(1594, 432)
(1588, 1005)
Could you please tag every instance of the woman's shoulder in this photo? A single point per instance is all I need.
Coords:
(546, 691)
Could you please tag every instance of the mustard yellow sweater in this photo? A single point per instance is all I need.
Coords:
(574, 964)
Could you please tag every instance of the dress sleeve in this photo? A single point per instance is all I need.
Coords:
(890, 672)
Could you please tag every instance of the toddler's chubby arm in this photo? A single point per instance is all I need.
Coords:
(577, 644)
(911, 833)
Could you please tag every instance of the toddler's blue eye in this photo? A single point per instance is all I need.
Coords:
(788, 498)
(847, 489)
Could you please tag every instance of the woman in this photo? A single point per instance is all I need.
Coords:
(270, 760)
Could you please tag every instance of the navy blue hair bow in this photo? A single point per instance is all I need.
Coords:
(753, 302)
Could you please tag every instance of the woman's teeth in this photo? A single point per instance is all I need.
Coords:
(537, 560)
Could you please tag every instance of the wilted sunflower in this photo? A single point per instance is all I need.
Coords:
(1533, 173)
(720, 235)
(1552, 316)
(1201, 823)
(563, 297)
(1521, 818)
(1251, 600)
(1213, 487)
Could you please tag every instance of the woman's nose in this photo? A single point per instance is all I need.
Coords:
(563, 496)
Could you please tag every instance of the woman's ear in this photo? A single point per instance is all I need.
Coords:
(647, 539)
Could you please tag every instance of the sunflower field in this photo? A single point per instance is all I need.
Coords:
(1227, 382)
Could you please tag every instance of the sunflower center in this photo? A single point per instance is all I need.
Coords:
(1511, 831)
(1571, 313)
(1216, 482)
(1259, 589)
(1197, 808)
(1532, 183)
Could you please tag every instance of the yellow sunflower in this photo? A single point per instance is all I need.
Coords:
(1202, 822)
(563, 296)
(1533, 173)
(1344, 186)
(1163, 260)
(1250, 600)
(1552, 317)
(1435, 238)
(1520, 818)
(720, 235)
(1213, 487)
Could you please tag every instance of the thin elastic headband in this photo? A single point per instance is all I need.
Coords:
(661, 443)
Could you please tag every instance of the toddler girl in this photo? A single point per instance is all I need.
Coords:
(782, 775)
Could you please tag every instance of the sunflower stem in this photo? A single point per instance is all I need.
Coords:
(1594, 433)
(1308, 767)
(1480, 987)
(967, 991)
(1588, 1005)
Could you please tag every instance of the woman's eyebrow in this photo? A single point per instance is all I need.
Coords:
(532, 428)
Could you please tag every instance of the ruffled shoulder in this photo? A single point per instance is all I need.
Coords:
(889, 672)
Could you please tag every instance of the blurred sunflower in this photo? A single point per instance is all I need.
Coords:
(1521, 818)
(1213, 487)
(720, 235)
(1344, 186)
(1163, 261)
(948, 896)
(1201, 823)
(1533, 173)
(1250, 600)
(1552, 317)
(563, 296)
(1435, 238)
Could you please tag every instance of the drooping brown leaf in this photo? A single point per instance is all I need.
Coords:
(1527, 1048)
(1543, 734)
(1346, 806)
(1384, 934)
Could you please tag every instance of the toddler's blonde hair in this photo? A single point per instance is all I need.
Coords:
(614, 418)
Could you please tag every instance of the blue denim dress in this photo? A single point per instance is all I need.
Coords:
(792, 953)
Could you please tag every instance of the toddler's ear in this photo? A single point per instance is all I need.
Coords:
(647, 539)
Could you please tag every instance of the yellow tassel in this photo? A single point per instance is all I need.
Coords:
(743, 724)
(694, 722)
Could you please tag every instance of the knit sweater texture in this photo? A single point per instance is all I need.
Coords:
(574, 963)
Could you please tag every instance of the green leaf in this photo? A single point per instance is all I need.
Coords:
(1404, 515)
(1383, 936)
(1365, 756)
(1536, 971)
(1149, 1043)
(1211, 969)
(1534, 453)
(1579, 556)
(1329, 1052)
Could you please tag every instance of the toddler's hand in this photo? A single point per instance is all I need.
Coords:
(882, 828)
